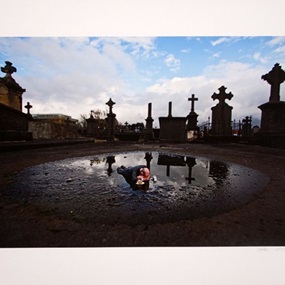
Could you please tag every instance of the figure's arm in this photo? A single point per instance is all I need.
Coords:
(135, 171)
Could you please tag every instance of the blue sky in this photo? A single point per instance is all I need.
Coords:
(73, 75)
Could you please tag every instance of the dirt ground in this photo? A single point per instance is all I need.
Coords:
(258, 223)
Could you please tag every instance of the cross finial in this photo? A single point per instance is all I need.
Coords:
(8, 68)
(222, 96)
(192, 99)
(110, 103)
(28, 107)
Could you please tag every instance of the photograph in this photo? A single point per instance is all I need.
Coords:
(127, 151)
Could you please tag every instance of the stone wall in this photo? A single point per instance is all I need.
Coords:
(44, 129)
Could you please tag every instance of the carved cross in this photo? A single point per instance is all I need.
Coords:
(110, 103)
(192, 99)
(275, 77)
(28, 107)
(8, 68)
(222, 96)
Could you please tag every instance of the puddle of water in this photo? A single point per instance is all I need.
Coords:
(90, 188)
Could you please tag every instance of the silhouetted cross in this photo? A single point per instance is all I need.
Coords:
(28, 107)
(192, 99)
(8, 68)
(275, 77)
(222, 96)
(110, 103)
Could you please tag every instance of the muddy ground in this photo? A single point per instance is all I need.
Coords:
(258, 223)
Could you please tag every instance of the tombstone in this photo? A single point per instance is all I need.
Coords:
(14, 124)
(149, 130)
(110, 121)
(272, 128)
(172, 129)
(222, 114)
(28, 107)
(91, 126)
(246, 127)
(192, 128)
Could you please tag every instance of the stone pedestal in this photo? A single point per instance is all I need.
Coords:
(172, 129)
(111, 126)
(272, 129)
(221, 120)
(14, 125)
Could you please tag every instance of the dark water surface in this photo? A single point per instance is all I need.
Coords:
(89, 189)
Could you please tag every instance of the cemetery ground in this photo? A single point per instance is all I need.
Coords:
(258, 223)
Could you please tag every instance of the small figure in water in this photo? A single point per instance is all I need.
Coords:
(138, 176)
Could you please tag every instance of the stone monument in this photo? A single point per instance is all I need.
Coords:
(222, 114)
(172, 129)
(10, 91)
(246, 127)
(91, 126)
(110, 121)
(192, 128)
(272, 128)
(14, 124)
(149, 130)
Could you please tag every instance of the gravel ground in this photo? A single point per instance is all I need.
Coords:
(258, 223)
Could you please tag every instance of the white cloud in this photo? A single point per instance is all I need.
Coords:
(243, 80)
(228, 40)
(172, 62)
(75, 75)
(257, 56)
(276, 41)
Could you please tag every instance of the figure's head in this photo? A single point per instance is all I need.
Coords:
(144, 171)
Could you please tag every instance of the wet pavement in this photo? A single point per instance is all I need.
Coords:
(89, 189)
(58, 196)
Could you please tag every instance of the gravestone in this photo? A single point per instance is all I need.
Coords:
(246, 127)
(91, 126)
(148, 129)
(110, 121)
(172, 129)
(192, 128)
(222, 114)
(272, 128)
(28, 107)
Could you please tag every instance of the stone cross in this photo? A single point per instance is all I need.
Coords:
(275, 77)
(222, 96)
(192, 99)
(8, 68)
(28, 107)
(110, 103)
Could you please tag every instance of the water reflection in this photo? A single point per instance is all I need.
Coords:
(110, 160)
(91, 187)
(171, 169)
(219, 171)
